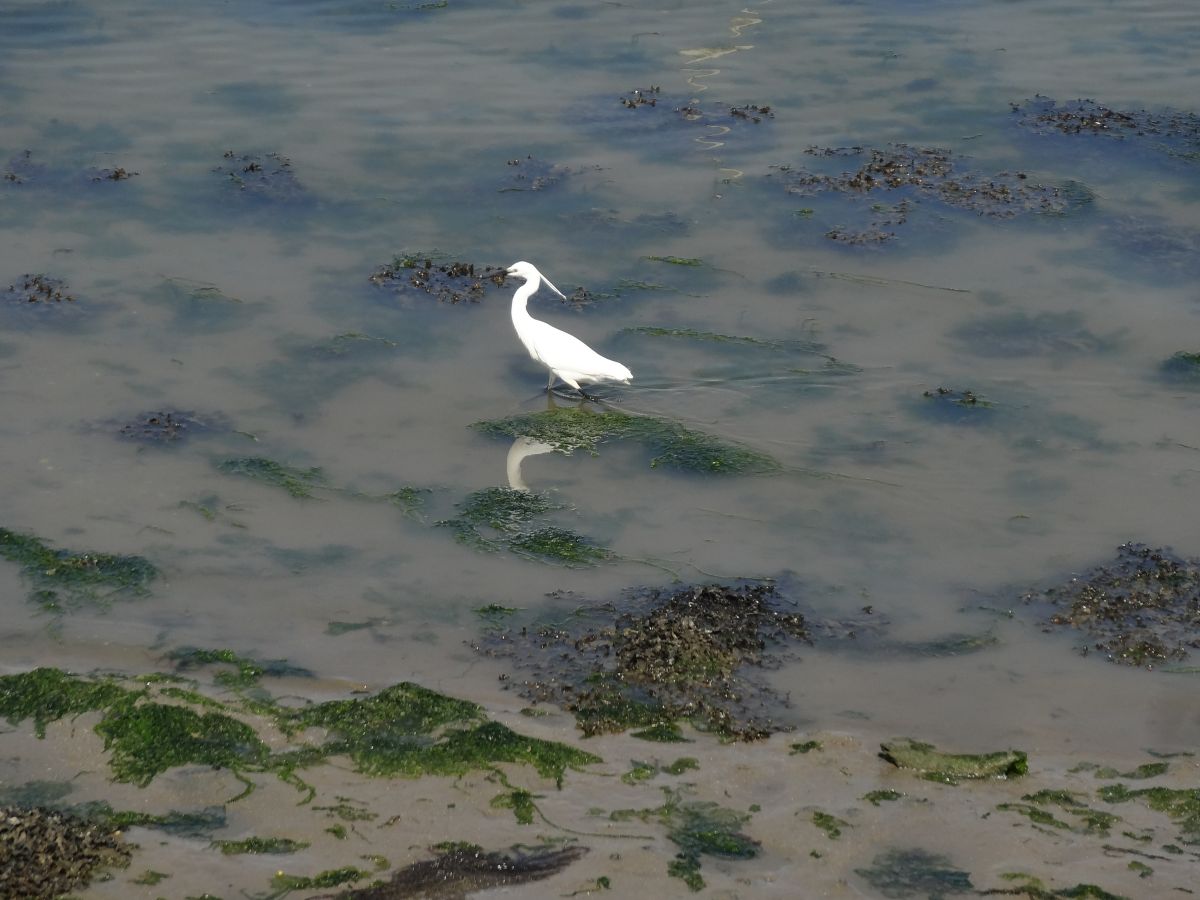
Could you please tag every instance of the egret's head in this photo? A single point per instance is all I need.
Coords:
(523, 270)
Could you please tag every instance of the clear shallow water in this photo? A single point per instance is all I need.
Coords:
(399, 125)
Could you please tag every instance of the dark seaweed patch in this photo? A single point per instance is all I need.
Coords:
(915, 873)
(21, 169)
(63, 580)
(1172, 132)
(529, 173)
(698, 829)
(267, 178)
(461, 869)
(894, 179)
(691, 656)
(298, 482)
(1182, 368)
(955, 406)
(1142, 609)
(454, 282)
(1042, 334)
(45, 854)
(167, 428)
(39, 293)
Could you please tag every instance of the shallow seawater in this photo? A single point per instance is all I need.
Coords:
(213, 186)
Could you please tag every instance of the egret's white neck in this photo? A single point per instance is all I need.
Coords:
(521, 298)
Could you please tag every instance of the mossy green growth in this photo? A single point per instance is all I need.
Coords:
(47, 695)
(245, 673)
(1034, 889)
(150, 877)
(1143, 870)
(1182, 368)
(63, 580)
(146, 739)
(520, 801)
(881, 796)
(698, 828)
(947, 768)
(259, 845)
(508, 513)
(297, 482)
(282, 883)
(1145, 770)
(1181, 804)
(662, 733)
(830, 824)
(804, 747)
(1089, 821)
(568, 429)
(411, 731)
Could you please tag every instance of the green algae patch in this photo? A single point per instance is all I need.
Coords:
(298, 482)
(698, 829)
(568, 429)
(460, 868)
(915, 873)
(1087, 820)
(1182, 368)
(718, 338)
(830, 824)
(63, 580)
(244, 673)
(521, 803)
(282, 883)
(259, 845)
(410, 731)
(510, 518)
(1182, 805)
(1034, 889)
(803, 747)
(1145, 770)
(47, 695)
(882, 796)
(661, 733)
(146, 739)
(948, 768)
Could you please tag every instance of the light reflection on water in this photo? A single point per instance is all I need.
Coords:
(399, 125)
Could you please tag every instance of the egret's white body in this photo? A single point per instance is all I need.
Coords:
(563, 354)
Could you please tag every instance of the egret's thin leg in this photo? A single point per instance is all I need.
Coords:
(550, 383)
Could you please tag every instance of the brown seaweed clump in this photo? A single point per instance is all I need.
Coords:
(44, 854)
(165, 427)
(1142, 609)
(461, 869)
(1175, 132)
(268, 177)
(454, 282)
(917, 174)
(39, 289)
(691, 655)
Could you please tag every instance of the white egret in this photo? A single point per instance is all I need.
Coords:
(563, 354)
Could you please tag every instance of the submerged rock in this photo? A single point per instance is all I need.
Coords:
(1142, 609)
(45, 854)
(935, 765)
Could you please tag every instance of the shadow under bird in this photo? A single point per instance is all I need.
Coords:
(563, 354)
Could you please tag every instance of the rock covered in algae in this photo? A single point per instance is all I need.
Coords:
(935, 765)
(1142, 609)
(459, 869)
(45, 854)
(690, 655)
